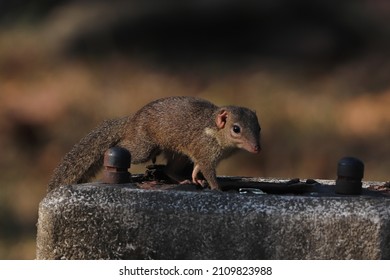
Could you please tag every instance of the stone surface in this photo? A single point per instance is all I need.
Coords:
(99, 221)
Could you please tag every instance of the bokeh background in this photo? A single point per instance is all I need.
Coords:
(316, 72)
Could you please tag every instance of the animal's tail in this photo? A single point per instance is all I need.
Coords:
(85, 159)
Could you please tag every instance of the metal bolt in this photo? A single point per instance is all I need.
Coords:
(350, 173)
(116, 164)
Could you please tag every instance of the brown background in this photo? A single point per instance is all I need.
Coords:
(316, 72)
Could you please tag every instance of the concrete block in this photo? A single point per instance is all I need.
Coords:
(100, 221)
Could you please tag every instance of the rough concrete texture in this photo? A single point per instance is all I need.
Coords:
(98, 221)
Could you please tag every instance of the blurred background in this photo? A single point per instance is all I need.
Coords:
(316, 72)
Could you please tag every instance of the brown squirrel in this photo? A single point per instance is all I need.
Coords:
(187, 126)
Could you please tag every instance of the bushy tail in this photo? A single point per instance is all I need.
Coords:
(85, 159)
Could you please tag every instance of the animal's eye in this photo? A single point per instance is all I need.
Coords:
(236, 129)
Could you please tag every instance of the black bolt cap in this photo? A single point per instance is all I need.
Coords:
(350, 167)
(350, 172)
(117, 157)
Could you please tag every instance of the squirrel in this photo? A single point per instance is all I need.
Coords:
(179, 126)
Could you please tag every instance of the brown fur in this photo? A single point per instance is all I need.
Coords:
(187, 126)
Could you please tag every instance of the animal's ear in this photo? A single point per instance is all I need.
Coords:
(221, 119)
